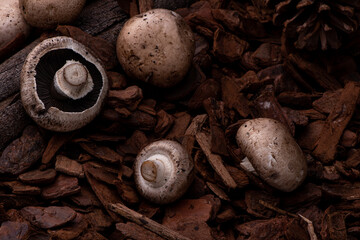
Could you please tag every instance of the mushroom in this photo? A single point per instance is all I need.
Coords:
(48, 14)
(273, 153)
(62, 84)
(156, 47)
(163, 171)
(12, 24)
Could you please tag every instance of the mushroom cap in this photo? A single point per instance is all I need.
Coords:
(48, 14)
(37, 77)
(273, 152)
(12, 22)
(163, 171)
(156, 47)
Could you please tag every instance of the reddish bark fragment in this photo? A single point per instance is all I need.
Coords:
(136, 232)
(164, 122)
(11, 230)
(101, 152)
(23, 152)
(208, 89)
(333, 225)
(55, 143)
(48, 217)
(216, 113)
(228, 47)
(233, 98)
(38, 177)
(336, 122)
(326, 103)
(129, 97)
(181, 122)
(267, 54)
(62, 187)
(267, 106)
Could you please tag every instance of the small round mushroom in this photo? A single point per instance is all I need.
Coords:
(13, 24)
(163, 171)
(62, 84)
(47, 14)
(156, 47)
(273, 153)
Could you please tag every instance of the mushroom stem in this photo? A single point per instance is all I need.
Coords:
(72, 81)
(155, 169)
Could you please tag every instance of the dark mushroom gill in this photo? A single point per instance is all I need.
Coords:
(45, 72)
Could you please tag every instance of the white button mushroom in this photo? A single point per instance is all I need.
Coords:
(156, 47)
(62, 85)
(12, 22)
(273, 153)
(163, 171)
(48, 14)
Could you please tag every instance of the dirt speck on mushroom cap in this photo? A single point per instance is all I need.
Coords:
(273, 152)
(156, 46)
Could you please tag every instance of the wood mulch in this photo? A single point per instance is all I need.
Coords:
(79, 185)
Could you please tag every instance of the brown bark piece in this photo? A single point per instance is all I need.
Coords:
(98, 220)
(21, 189)
(333, 225)
(101, 173)
(136, 232)
(92, 235)
(344, 190)
(129, 97)
(310, 135)
(134, 143)
(72, 230)
(267, 54)
(216, 112)
(263, 229)
(116, 80)
(181, 122)
(336, 122)
(85, 198)
(102, 152)
(13, 120)
(105, 194)
(252, 198)
(233, 98)
(127, 192)
(68, 166)
(48, 217)
(326, 103)
(55, 143)
(228, 47)
(37, 176)
(215, 160)
(239, 176)
(12, 230)
(145, 5)
(297, 99)
(23, 152)
(322, 78)
(267, 106)
(146, 222)
(208, 89)
(63, 186)
(202, 209)
(297, 117)
(164, 122)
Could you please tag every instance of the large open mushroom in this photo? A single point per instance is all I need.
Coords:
(62, 84)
